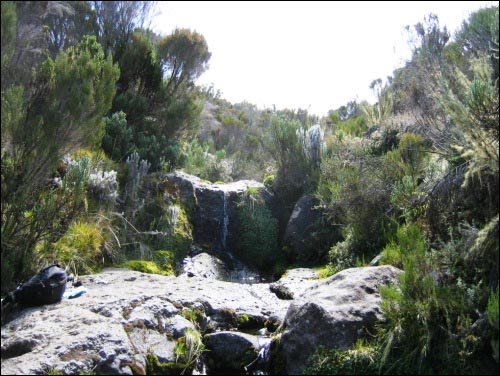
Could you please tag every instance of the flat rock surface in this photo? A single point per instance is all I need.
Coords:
(108, 328)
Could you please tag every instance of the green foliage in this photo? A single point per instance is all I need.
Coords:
(341, 255)
(492, 314)
(377, 113)
(61, 110)
(167, 229)
(194, 314)
(409, 240)
(435, 306)
(139, 66)
(9, 21)
(296, 174)
(479, 33)
(155, 367)
(258, 240)
(117, 142)
(145, 267)
(184, 57)
(361, 359)
(197, 160)
(81, 248)
(189, 348)
(355, 126)
(355, 195)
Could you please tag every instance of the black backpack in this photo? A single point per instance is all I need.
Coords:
(46, 287)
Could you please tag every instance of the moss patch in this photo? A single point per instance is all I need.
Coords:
(145, 267)
(155, 367)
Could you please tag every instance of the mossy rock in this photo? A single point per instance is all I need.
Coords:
(155, 367)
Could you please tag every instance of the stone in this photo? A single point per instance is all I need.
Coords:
(64, 338)
(334, 312)
(281, 291)
(177, 326)
(205, 266)
(147, 341)
(298, 280)
(230, 351)
(303, 240)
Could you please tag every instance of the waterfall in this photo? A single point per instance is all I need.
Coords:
(225, 221)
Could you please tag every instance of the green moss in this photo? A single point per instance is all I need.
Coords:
(243, 320)
(165, 260)
(195, 315)
(246, 321)
(145, 267)
(325, 272)
(180, 239)
(359, 360)
(155, 367)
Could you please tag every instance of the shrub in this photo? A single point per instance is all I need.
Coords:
(82, 247)
(341, 255)
(409, 241)
(492, 314)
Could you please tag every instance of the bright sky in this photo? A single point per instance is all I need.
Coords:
(310, 55)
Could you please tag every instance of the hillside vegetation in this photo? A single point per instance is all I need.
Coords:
(96, 107)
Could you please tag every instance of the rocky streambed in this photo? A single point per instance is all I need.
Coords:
(130, 322)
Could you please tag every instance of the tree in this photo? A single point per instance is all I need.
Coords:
(68, 23)
(116, 21)
(62, 110)
(479, 34)
(184, 56)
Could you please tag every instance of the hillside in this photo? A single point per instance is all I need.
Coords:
(112, 156)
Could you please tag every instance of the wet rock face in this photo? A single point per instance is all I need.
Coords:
(212, 207)
(334, 312)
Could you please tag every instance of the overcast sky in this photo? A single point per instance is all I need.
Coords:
(311, 55)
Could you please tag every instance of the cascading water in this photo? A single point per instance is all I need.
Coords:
(225, 221)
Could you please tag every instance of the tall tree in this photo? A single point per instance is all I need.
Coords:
(116, 21)
(184, 56)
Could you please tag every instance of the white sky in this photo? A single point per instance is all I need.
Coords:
(310, 55)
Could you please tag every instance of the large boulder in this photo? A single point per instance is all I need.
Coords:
(304, 240)
(335, 312)
(230, 351)
(205, 266)
(294, 282)
(212, 207)
(65, 338)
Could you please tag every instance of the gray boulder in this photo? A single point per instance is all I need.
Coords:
(298, 280)
(205, 266)
(230, 351)
(303, 239)
(65, 338)
(335, 312)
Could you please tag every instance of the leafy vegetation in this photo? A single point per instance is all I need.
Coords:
(94, 111)
(258, 242)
